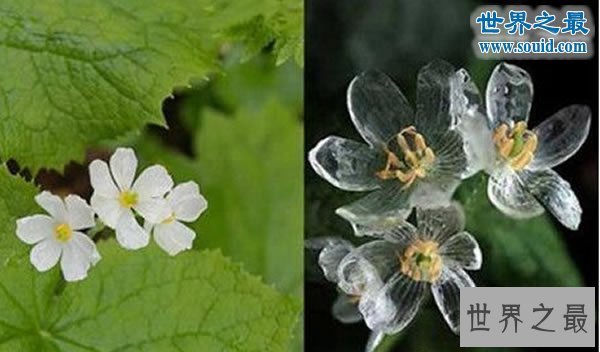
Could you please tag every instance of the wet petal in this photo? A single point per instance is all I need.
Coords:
(561, 136)
(465, 100)
(506, 191)
(101, 179)
(401, 232)
(555, 194)
(433, 98)
(378, 108)
(174, 237)
(346, 164)
(375, 339)
(123, 164)
(154, 181)
(53, 204)
(129, 233)
(394, 306)
(79, 214)
(33, 229)
(332, 251)
(434, 194)
(446, 291)
(462, 249)
(108, 209)
(154, 210)
(356, 276)
(369, 265)
(345, 309)
(508, 95)
(441, 223)
(45, 254)
(450, 157)
(186, 201)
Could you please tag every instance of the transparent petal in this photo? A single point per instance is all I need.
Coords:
(186, 201)
(109, 210)
(375, 339)
(154, 181)
(446, 292)
(35, 228)
(509, 94)
(378, 108)
(347, 164)
(101, 180)
(394, 306)
(174, 237)
(462, 249)
(433, 98)
(123, 164)
(507, 193)
(401, 232)
(345, 309)
(87, 247)
(479, 147)
(465, 100)
(331, 256)
(129, 233)
(450, 156)
(432, 194)
(555, 194)
(561, 136)
(53, 204)
(440, 223)
(79, 214)
(45, 254)
(154, 210)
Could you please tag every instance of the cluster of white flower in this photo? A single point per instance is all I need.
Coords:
(414, 161)
(118, 201)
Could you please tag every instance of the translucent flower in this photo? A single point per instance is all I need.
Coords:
(519, 160)
(186, 204)
(410, 159)
(59, 236)
(117, 198)
(409, 261)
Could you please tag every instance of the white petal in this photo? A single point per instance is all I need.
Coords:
(347, 164)
(32, 229)
(186, 201)
(79, 255)
(561, 136)
(509, 94)
(375, 339)
(154, 181)
(53, 204)
(345, 310)
(440, 223)
(79, 214)
(506, 191)
(446, 291)
(101, 179)
(123, 164)
(555, 194)
(108, 209)
(433, 98)
(174, 237)
(87, 247)
(45, 254)
(462, 249)
(154, 210)
(130, 234)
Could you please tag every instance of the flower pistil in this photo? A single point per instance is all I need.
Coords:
(421, 261)
(63, 232)
(516, 145)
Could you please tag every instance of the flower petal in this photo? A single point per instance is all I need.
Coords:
(446, 291)
(507, 192)
(465, 99)
(377, 107)
(79, 214)
(561, 136)
(154, 181)
(123, 164)
(78, 256)
(174, 237)
(154, 210)
(394, 306)
(450, 157)
(463, 250)
(101, 179)
(441, 223)
(555, 194)
(509, 94)
(33, 229)
(356, 276)
(345, 309)
(45, 254)
(378, 259)
(130, 234)
(108, 209)
(430, 194)
(346, 164)
(402, 232)
(433, 98)
(331, 251)
(87, 247)
(53, 204)
(186, 201)
(375, 339)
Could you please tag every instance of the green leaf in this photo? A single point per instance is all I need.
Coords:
(515, 252)
(77, 73)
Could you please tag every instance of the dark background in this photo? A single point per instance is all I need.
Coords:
(346, 37)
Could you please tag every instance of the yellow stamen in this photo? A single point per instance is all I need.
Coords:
(170, 219)
(421, 261)
(63, 232)
(128, 199)
(516, 146)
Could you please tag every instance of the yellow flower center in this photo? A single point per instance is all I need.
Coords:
(63, 232)
(128, 199)
(421, 261)
(517, 145)
(417, 158)
(170, 219)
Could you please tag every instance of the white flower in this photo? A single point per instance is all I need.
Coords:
(116, 196)
(519, 160)
(186, 204)
(58, 236)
